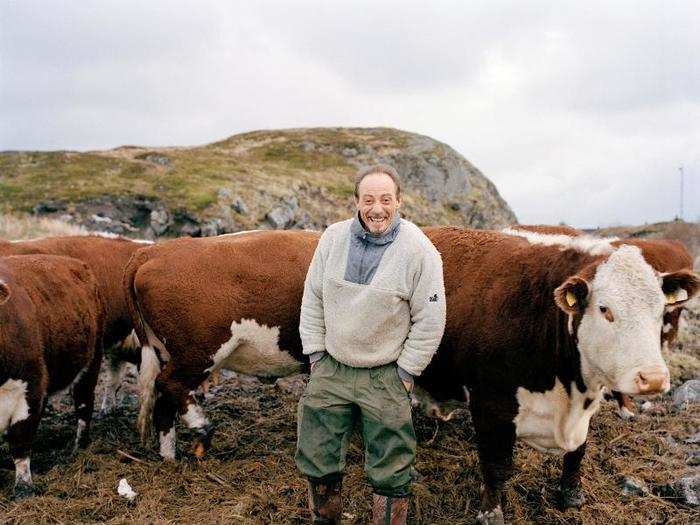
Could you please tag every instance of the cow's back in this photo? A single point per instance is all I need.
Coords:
(65, 310)
(206, 284)
(105, 256)
(501, 315)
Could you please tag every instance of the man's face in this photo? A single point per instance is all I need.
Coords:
(377, 202)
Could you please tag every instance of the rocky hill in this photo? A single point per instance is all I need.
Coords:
(297, 178)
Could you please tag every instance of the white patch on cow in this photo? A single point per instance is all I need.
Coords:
(194, 417)
(79, 431)
(581, 243)
(570, 324)
(613, 354)
(554, 421)
(666, 328)
(23, 471)
(240, 233)
(253, 349)
(13, 403)
(167, 444)
(110, 235)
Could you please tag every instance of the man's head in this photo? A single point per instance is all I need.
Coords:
(377, 196)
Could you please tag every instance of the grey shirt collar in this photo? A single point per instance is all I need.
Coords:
(384, 238)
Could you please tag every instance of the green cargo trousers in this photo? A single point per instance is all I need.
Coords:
(335, 398)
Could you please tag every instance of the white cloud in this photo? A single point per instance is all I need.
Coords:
(578, 112)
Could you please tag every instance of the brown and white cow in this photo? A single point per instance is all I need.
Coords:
(51, 327)
(664, 255)
(106, 256)
(535, 330)
(219, 302)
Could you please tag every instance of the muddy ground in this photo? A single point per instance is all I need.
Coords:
(250, 477)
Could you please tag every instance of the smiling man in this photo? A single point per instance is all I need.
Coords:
(372, 316)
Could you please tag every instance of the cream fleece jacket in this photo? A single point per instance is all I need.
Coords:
(399, 316)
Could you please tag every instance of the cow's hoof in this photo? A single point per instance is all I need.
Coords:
(571, 497)
(203, 442)
(23, 490)
(626, 414)
(491, 517)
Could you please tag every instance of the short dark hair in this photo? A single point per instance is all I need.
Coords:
(385, 169)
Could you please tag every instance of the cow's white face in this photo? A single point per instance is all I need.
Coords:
(621, 312)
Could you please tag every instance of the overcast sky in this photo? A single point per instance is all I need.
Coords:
(579, 112)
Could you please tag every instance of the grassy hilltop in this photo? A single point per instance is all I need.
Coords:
(236, 182)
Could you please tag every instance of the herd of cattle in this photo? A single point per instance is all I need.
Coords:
(541, 322)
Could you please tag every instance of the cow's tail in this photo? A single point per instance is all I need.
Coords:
(150, 363)
(150, 368)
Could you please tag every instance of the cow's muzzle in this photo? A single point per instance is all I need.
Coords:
(653, 380)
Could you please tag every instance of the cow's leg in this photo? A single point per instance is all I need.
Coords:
(20, 436)
(84, 398)
(495, 435)
(115, 372)
(625, 405)
(570, 491)
(164, 411)
(176, 396)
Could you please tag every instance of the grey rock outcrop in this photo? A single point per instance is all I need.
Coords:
(687, 393)
(299, 178)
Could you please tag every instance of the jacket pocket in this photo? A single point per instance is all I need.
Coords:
(365, 319)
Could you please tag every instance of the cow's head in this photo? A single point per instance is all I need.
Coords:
(619, 308)
(4, 292)
(676, 297)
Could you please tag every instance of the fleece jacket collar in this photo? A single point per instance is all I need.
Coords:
(383, 238)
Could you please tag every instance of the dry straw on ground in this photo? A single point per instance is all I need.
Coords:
(14, 226)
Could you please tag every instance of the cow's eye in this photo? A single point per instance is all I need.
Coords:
(606, 313)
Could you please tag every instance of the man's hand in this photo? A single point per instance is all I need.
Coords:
(315, 358)
(406, 378)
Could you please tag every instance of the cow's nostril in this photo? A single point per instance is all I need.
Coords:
(652, 381)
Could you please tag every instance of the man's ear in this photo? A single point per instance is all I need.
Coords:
(679, 287)
(4, 293)
(572, 296)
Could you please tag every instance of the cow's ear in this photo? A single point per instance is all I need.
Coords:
(679, 287)
(572, 296)
(4, 293)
